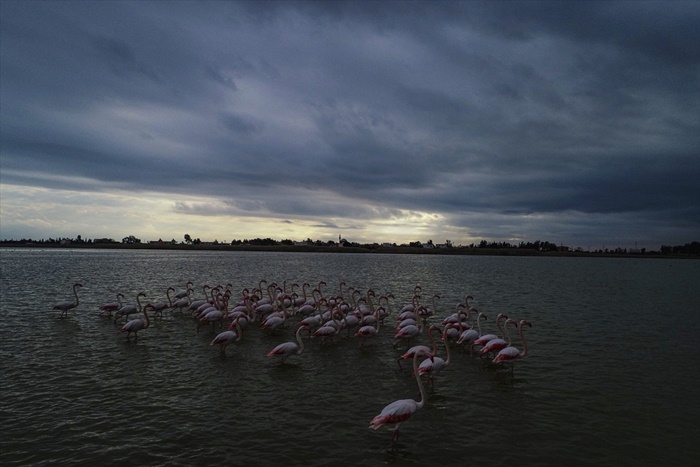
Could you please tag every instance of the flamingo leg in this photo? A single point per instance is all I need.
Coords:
(395, 433)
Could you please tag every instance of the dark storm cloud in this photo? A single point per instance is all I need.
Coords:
(365, 110)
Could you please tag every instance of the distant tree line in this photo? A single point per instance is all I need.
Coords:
(687, 249)
(692, 248)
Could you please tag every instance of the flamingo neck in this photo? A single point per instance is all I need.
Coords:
(300, 341)
(432, 339)
(447, 344)
(523, 353)
(421, 388)
(75, 292)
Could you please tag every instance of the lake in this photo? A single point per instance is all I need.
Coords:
(611, 377)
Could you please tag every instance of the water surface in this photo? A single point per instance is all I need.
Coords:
(611, 378)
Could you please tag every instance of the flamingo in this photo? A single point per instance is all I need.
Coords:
(401, 410)
(197, 303)
(183, 302)
(407, 332)
(216, 312)
(158, 307)
(107, 309)
(65, 306)
(495, 345)
(277, 319)
(368, 330)
(432, 367)
(136, 325)
(511, 354)
(487, 337)
(127, 310)
(228, 337)
(186, 292)
(412, 351)
(287, 349)
(471, 335)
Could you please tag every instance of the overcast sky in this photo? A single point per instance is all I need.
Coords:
(575, 123)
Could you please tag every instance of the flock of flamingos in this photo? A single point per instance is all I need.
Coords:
(317, 316)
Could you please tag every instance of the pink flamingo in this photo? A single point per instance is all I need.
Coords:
(136, 325)
(401, 410)
(511, 354)
(481, 341)
(127, 310)
(107, 309)
(495, 345)
(287, 349)
(228, 337)
(65, 306)
(412, 351)
(408, 332)
(369, 330)
(158, 307)
(186, 292)
(276, 320)
(183, 302)
(432, 367)
(471, 335)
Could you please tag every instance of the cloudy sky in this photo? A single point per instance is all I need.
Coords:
(575, 123)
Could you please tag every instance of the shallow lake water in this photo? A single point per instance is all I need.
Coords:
(610, 379)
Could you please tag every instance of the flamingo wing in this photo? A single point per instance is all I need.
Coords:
(285, 348)
(132, 326)
(494, 345)
(507, 354)
(63, 305)
(366, 331)
(409, 331)
(396, 412)
(226, 336)
(468, 336)
(412, 351)
(485, 339)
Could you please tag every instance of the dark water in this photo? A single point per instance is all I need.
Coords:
(611, 378)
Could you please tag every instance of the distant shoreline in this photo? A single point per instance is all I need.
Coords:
(345, 249)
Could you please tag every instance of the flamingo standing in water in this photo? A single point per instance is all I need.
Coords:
(107, 309)
(412, 351)
(228, 337)
(481, 341)
(287, 349)
(435, 365)
(136, 325)
(511, 354)
(407, 332)
(496, 345)
(471, 335)
(182, 302)
(65, 306)
(186, 292)
(368, 330)
(401, 410)
(127, 310)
